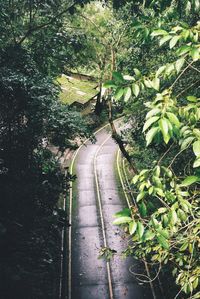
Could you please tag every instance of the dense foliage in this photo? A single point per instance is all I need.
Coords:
(162, 99)
(149, 54)
(31, 117)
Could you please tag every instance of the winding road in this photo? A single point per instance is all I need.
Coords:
(96, 198)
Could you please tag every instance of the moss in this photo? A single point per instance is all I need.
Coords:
(75, 90)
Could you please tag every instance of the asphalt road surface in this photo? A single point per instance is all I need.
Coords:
(90, 278)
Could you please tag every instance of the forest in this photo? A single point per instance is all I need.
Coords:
(100, 149)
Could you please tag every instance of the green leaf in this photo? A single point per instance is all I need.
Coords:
(132, 227)
(109, 84)
(159, 32)
(155, 222)
(141, 195)
(151, 134)
(156, 83)
(186, 142)
(196, 163)
(165, 220)
(179, 64)
(119, 93)
(135, 179)
(197, 5)
(127, 94)
(129, 78)
(182, 215)
(137, 72)
(160, 192)
(173, 217)
(174, 41)
(149, 122)
(183, 50)
(124, 212)
(163, 124)
(143, 209)
(122, 220)
(196, 283)
(157, 171)
(192, 99)
(160, 70)
(184, 246)
(147, 83)
(195, 54)
(190, 180)
(118, 77)
(152, 112)
(196, 148)
(136, 89)
(163, 242)
(140, 229)
(164, 39)
(169, 69)
(163, 232)
(149, 235)
(173, 119)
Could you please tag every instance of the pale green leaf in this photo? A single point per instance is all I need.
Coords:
(147, 83)
(119, 93)
(195, 54)
(174, 217)
(163, 124)
(158, 32)
(164, 39)
(196, 148)
(196, 163)
(179, 64)
(127, 94)
(160, 70)
(136, 89)
(129, 78)
(151, 134)
(173, 119)
(149, 235)
(149, 122)
(122, 220)
(186, 142)
(137, 72)
(156, 83)
(174, 41)
(152, 112)
(132, 227)
(141, 195)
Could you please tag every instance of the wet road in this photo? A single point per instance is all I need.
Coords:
(90, 279)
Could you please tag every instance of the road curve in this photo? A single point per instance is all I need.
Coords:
(89, 275)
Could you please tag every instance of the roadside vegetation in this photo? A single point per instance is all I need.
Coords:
(145, 57)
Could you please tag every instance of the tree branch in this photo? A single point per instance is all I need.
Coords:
(41, 26)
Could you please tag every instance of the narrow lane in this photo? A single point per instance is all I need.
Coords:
(89, 274)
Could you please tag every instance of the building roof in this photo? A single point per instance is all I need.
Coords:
(76, 90)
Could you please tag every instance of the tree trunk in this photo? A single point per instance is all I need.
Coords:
(118, 139)
(99, 106)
